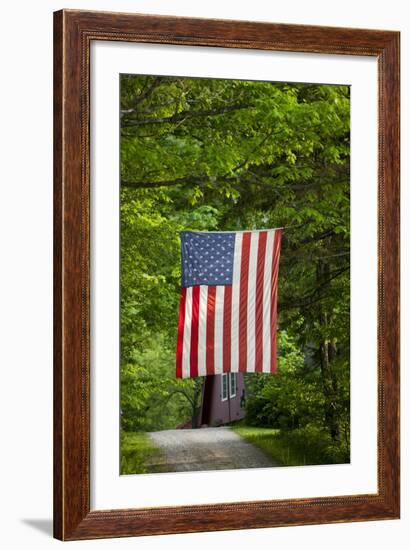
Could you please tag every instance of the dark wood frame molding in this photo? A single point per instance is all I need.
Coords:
(73, 33)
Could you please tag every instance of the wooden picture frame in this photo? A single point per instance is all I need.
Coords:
(73, 33)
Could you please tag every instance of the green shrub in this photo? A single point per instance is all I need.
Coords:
(299, 447)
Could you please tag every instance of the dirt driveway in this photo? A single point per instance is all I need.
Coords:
(207, 449)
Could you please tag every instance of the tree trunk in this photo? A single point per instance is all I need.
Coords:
(327, 355)
(196, 402)
(327, 351)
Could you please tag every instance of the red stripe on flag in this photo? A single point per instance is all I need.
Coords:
(243, 302)
(259, 302)
(180, 337)
(227, 329)
(274, 296)
(194, 332)
(210, 331)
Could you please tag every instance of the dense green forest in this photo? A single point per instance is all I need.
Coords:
(206, 154)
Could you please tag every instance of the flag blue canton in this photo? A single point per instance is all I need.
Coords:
(207, 258)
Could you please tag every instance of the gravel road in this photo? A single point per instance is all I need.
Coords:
(207, 449)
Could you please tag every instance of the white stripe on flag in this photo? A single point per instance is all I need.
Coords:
(253, 265)
(203, 298)
(267, 286)
(186, 354)
(219, 320)
(236, 279)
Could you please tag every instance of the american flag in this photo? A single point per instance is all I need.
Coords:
(227, 312)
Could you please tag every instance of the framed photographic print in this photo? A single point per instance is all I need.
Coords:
(226, 275)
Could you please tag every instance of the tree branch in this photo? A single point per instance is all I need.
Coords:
(315, 296)
(183, 116)
(189, 399)
(162, 183)
(140, 98)
(244, 178)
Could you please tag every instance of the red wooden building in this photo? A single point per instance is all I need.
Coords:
(223, 399)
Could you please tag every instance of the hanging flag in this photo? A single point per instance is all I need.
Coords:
(227, 312)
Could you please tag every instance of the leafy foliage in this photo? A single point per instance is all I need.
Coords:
(205, 154)
(298, 447)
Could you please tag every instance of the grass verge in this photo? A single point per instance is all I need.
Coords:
(139, 454)
(300, 447)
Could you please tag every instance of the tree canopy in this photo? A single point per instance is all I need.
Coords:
(207, 154)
